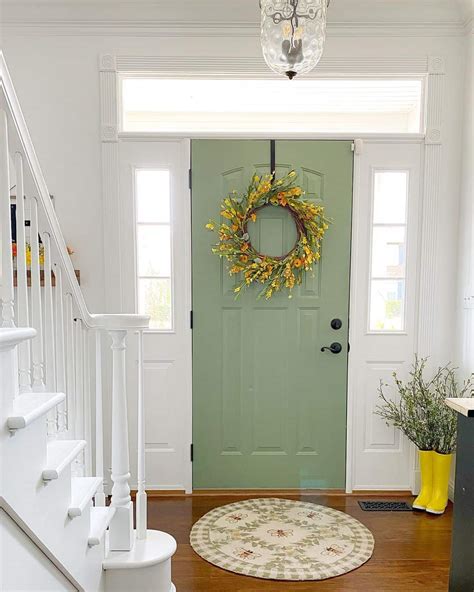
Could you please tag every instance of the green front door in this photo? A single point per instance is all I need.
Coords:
(269, 407)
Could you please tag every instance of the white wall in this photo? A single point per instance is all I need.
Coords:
(56, 77)
(466, 242)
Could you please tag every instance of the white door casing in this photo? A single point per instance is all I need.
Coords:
(167, 355)
(113, 66)
(380, 456)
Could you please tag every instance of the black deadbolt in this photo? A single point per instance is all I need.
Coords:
(336, 324)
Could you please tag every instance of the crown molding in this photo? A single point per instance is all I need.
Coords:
(151, 28)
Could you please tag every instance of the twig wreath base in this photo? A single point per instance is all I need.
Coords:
(275, 273)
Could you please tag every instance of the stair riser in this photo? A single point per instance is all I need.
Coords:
(24, 457)
(9, 384)
(156, 578)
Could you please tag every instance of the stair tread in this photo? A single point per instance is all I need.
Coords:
(30, 406)
(100, 520)
(156, 548)
(10, 337)
(83, 490)
(60, 453)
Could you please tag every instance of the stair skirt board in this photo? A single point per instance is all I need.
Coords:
(29, 407)
(100, 519)
(147, 567)
(83, 490)
(60, 454)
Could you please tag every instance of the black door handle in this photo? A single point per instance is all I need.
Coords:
(334, 348)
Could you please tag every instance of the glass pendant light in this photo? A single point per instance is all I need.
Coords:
(293, 34)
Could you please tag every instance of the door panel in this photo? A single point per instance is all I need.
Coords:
(269, 408)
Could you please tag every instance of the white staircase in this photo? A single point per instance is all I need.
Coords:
(51, 463)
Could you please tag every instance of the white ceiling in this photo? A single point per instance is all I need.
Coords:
(224, 11)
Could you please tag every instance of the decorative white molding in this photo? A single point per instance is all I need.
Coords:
(241, 67)
(427, 312)
(185, 29)
(433, 136)
(436, 65)
(248, 67)
(109, 133)
(468, 26)
(110, 180)
(107, 63)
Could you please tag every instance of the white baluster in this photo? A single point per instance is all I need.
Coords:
(141, 493)
(70, 365)
(60, 349)
(87, 404)
(121, 527)
(7, 291)
(24, 357)
(49, 333)
(36, 309)
(99, 425)
(79, 390)
(49, 337)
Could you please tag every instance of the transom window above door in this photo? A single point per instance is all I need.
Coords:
(377, 105)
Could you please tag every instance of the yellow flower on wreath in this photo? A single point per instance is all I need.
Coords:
(297, 263)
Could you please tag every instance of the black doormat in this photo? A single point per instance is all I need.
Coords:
(377, 506)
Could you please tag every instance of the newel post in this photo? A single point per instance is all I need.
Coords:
(121, 527)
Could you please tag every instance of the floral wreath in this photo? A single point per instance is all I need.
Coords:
(234, 244)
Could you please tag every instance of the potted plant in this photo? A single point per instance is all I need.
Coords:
(421, 414)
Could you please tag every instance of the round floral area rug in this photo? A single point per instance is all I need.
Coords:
(280, 539)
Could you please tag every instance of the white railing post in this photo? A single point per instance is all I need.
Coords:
(141, 493)
(87, 404)
(70, 364)
(121, 527)
(7, 291)
(36, 308)
(23, 320)
(49, 334)
(60, 349)
(99, 426)
(79, 425)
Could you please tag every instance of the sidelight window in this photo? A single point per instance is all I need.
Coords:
(387, 288)
(153, 247)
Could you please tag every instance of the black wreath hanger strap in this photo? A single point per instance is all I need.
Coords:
(273, 159)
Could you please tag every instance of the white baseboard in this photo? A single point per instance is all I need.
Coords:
(416, 481)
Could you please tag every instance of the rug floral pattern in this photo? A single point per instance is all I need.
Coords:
(282, 539)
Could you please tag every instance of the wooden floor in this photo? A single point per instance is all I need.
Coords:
(412, 550)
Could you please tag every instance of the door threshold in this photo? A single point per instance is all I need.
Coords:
(299, 492)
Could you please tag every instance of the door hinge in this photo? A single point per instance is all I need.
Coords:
(191, 451)
(357, 146)
(190, 179)
(191, 319)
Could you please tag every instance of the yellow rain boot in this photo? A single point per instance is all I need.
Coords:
(426, 468)
(441, 472)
